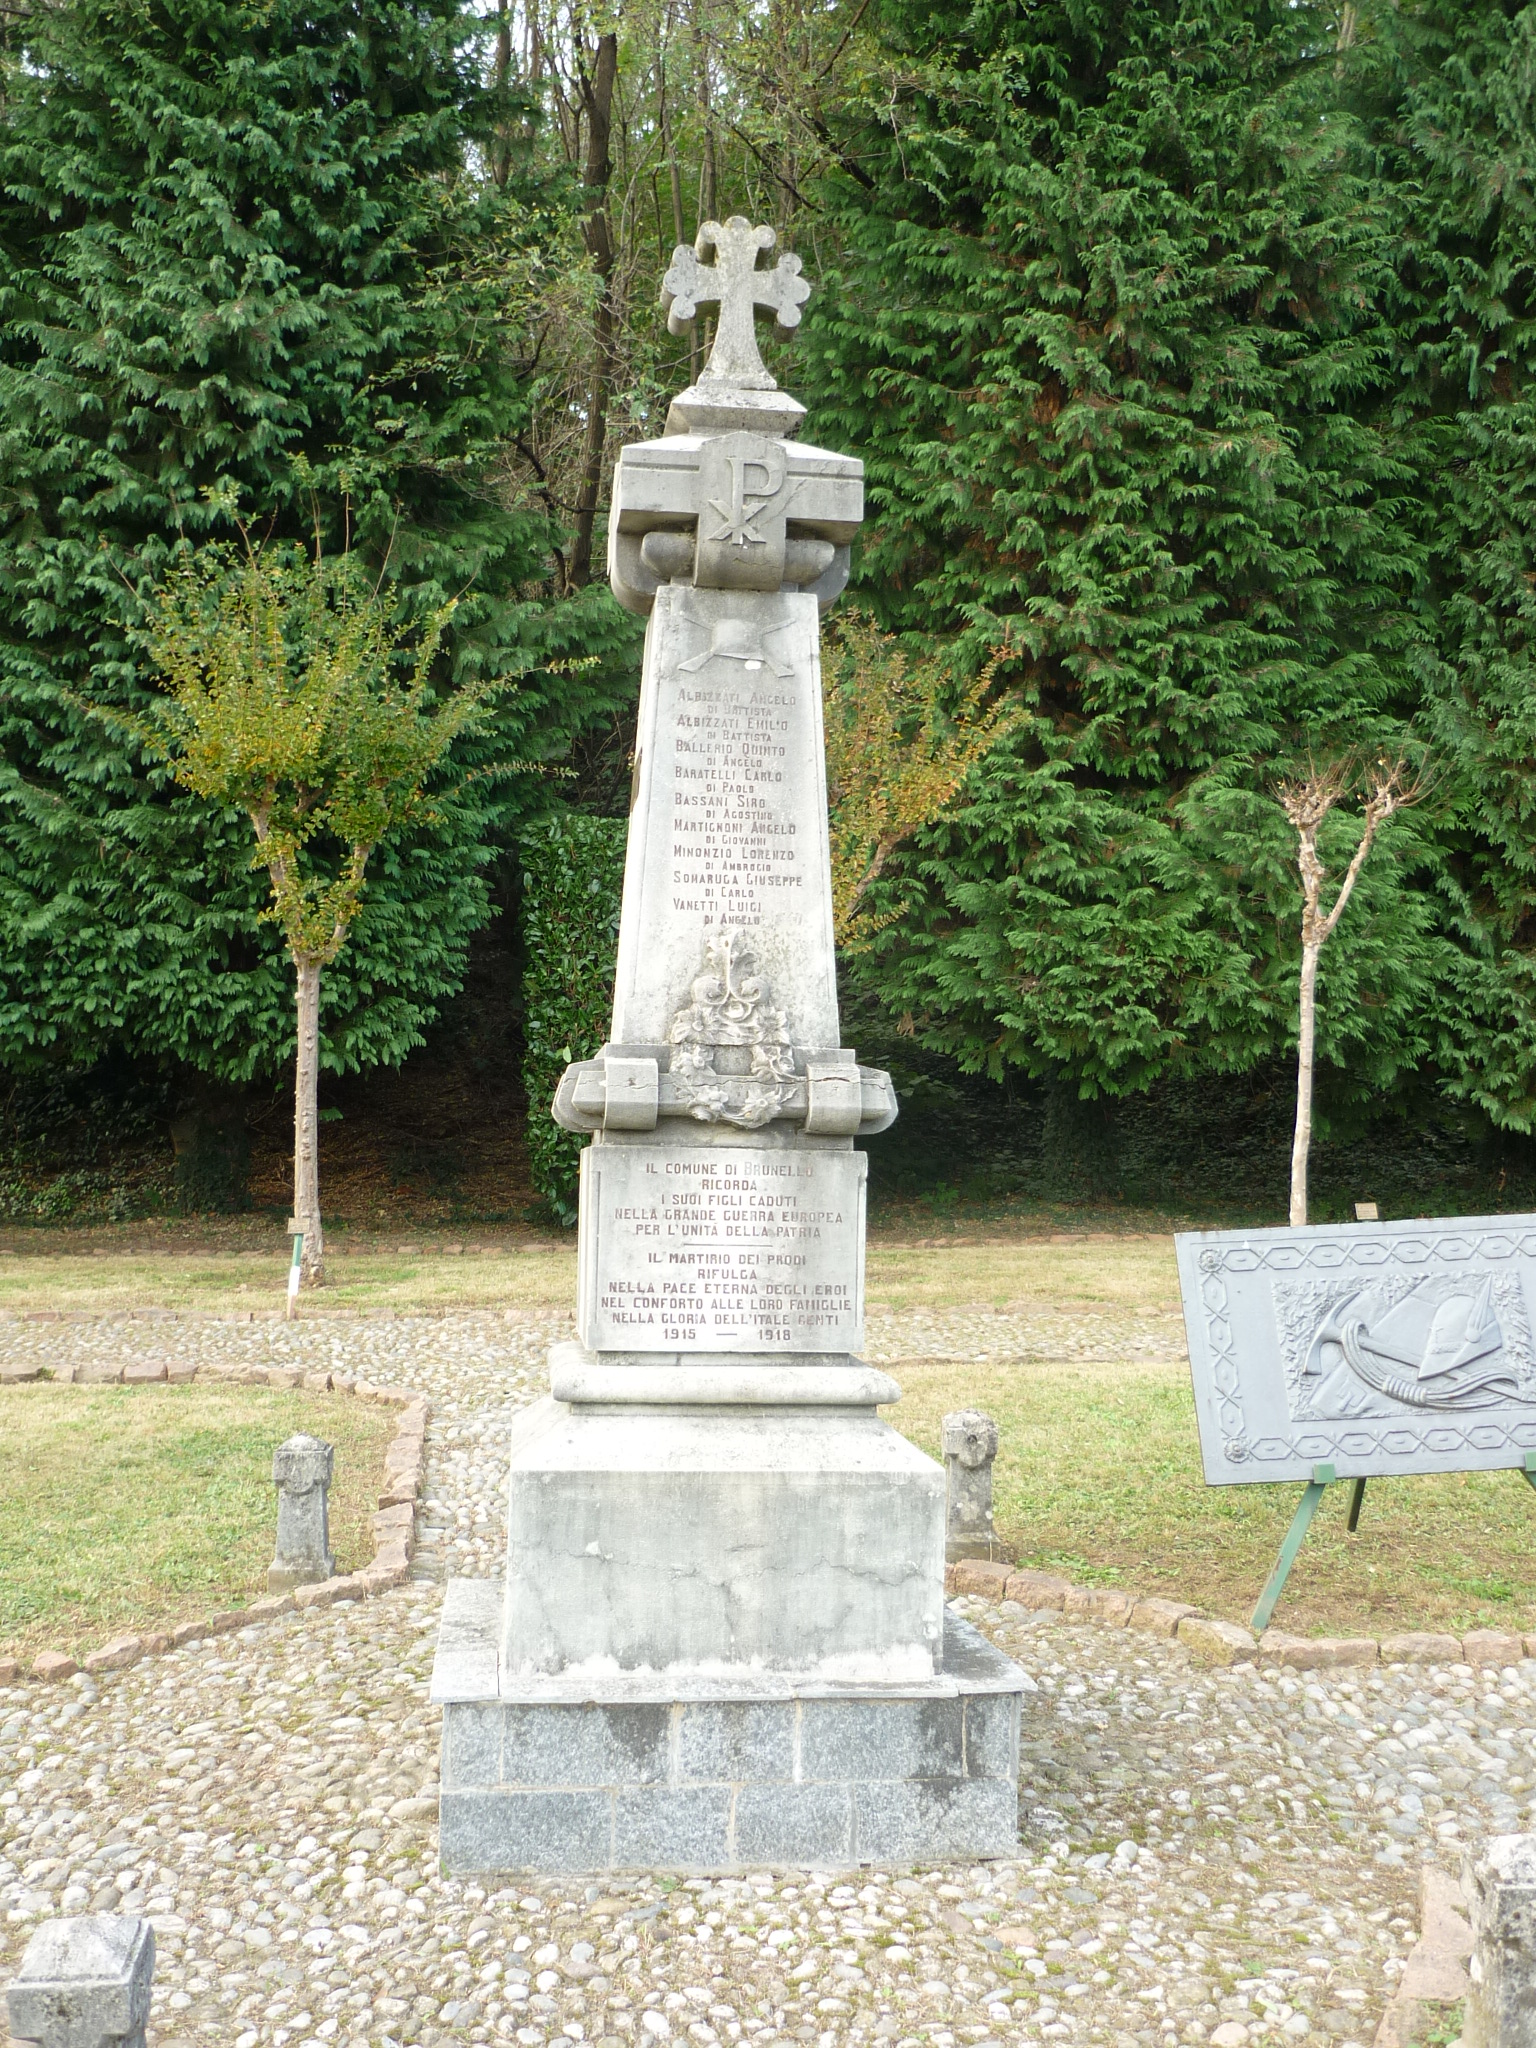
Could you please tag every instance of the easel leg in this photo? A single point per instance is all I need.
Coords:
(1317, 1486)
(1356, 1502)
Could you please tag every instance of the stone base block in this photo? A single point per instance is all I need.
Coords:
(801, 1540)
(716, 1775)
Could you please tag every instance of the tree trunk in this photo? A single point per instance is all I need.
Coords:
(597, 95)
(501, 147)
(1305, 1037)
(306, 1123)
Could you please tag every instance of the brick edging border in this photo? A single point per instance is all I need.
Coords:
(1228, 1642)
(394, 1520)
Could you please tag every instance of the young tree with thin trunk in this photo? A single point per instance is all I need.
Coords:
(1389, 786)
(291, 693)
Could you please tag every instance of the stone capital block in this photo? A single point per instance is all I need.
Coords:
(302, 1463)
(1500, 1883)
(969, 1445)
(84, 1984)
(301, 1472)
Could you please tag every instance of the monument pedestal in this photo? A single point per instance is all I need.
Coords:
(689, 1772)
(721, 1540)
(721, 1640)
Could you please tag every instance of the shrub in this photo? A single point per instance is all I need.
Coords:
(573, 871)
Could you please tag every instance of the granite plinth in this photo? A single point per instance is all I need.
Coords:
(798, 1540)
(717, 1774)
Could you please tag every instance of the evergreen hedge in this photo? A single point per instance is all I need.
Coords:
(1189, 344)
(244, 242)
(573, 876)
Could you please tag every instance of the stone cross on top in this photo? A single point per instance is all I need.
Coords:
(734, 281)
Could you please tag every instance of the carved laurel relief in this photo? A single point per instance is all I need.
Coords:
(731, 1023)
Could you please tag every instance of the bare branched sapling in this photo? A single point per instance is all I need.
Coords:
(1390, 786)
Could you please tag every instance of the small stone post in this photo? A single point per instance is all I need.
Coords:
(301, 1472)
(970, 1445)
(84, 1984)
(1500, 1884)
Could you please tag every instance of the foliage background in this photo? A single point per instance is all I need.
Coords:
(1188, 346)
(573, 871)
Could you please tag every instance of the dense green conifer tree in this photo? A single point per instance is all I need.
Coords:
(1446, 91)
(1108, 325)
(246, 245)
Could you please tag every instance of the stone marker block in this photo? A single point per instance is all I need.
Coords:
(116, 1655)
(1500, 1884)
(1161, 1617)
(1103, 1603)
(84, 1984)
(1315, 1653)
(1216, 1642)
(53, 1664)
(1419, 1647)
(975, 1575)
(1492, 1646)
(267, 1609)
(1038, 1590)
(144, 1372)
(969, 1442)
(301, 1472)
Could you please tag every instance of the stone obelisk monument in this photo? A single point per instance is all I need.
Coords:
(722, 1639)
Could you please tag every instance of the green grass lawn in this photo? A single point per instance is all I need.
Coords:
(216, 1280)
(1099, 1471)
(1098, 1477)
(139, 1507)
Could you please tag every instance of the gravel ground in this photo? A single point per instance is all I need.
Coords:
(1230, 1853)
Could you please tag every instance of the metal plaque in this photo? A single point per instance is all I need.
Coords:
(1377, 1348)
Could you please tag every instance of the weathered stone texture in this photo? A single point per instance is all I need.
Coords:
(84, 1983)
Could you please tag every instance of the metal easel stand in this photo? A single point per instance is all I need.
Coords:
(295, 1275)
(1323, 1477)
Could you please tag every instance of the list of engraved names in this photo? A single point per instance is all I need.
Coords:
(716, 1251)
(738, 854)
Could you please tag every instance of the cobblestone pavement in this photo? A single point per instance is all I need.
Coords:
(1200, 1850)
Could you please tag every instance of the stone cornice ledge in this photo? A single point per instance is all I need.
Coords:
(394, 1531)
